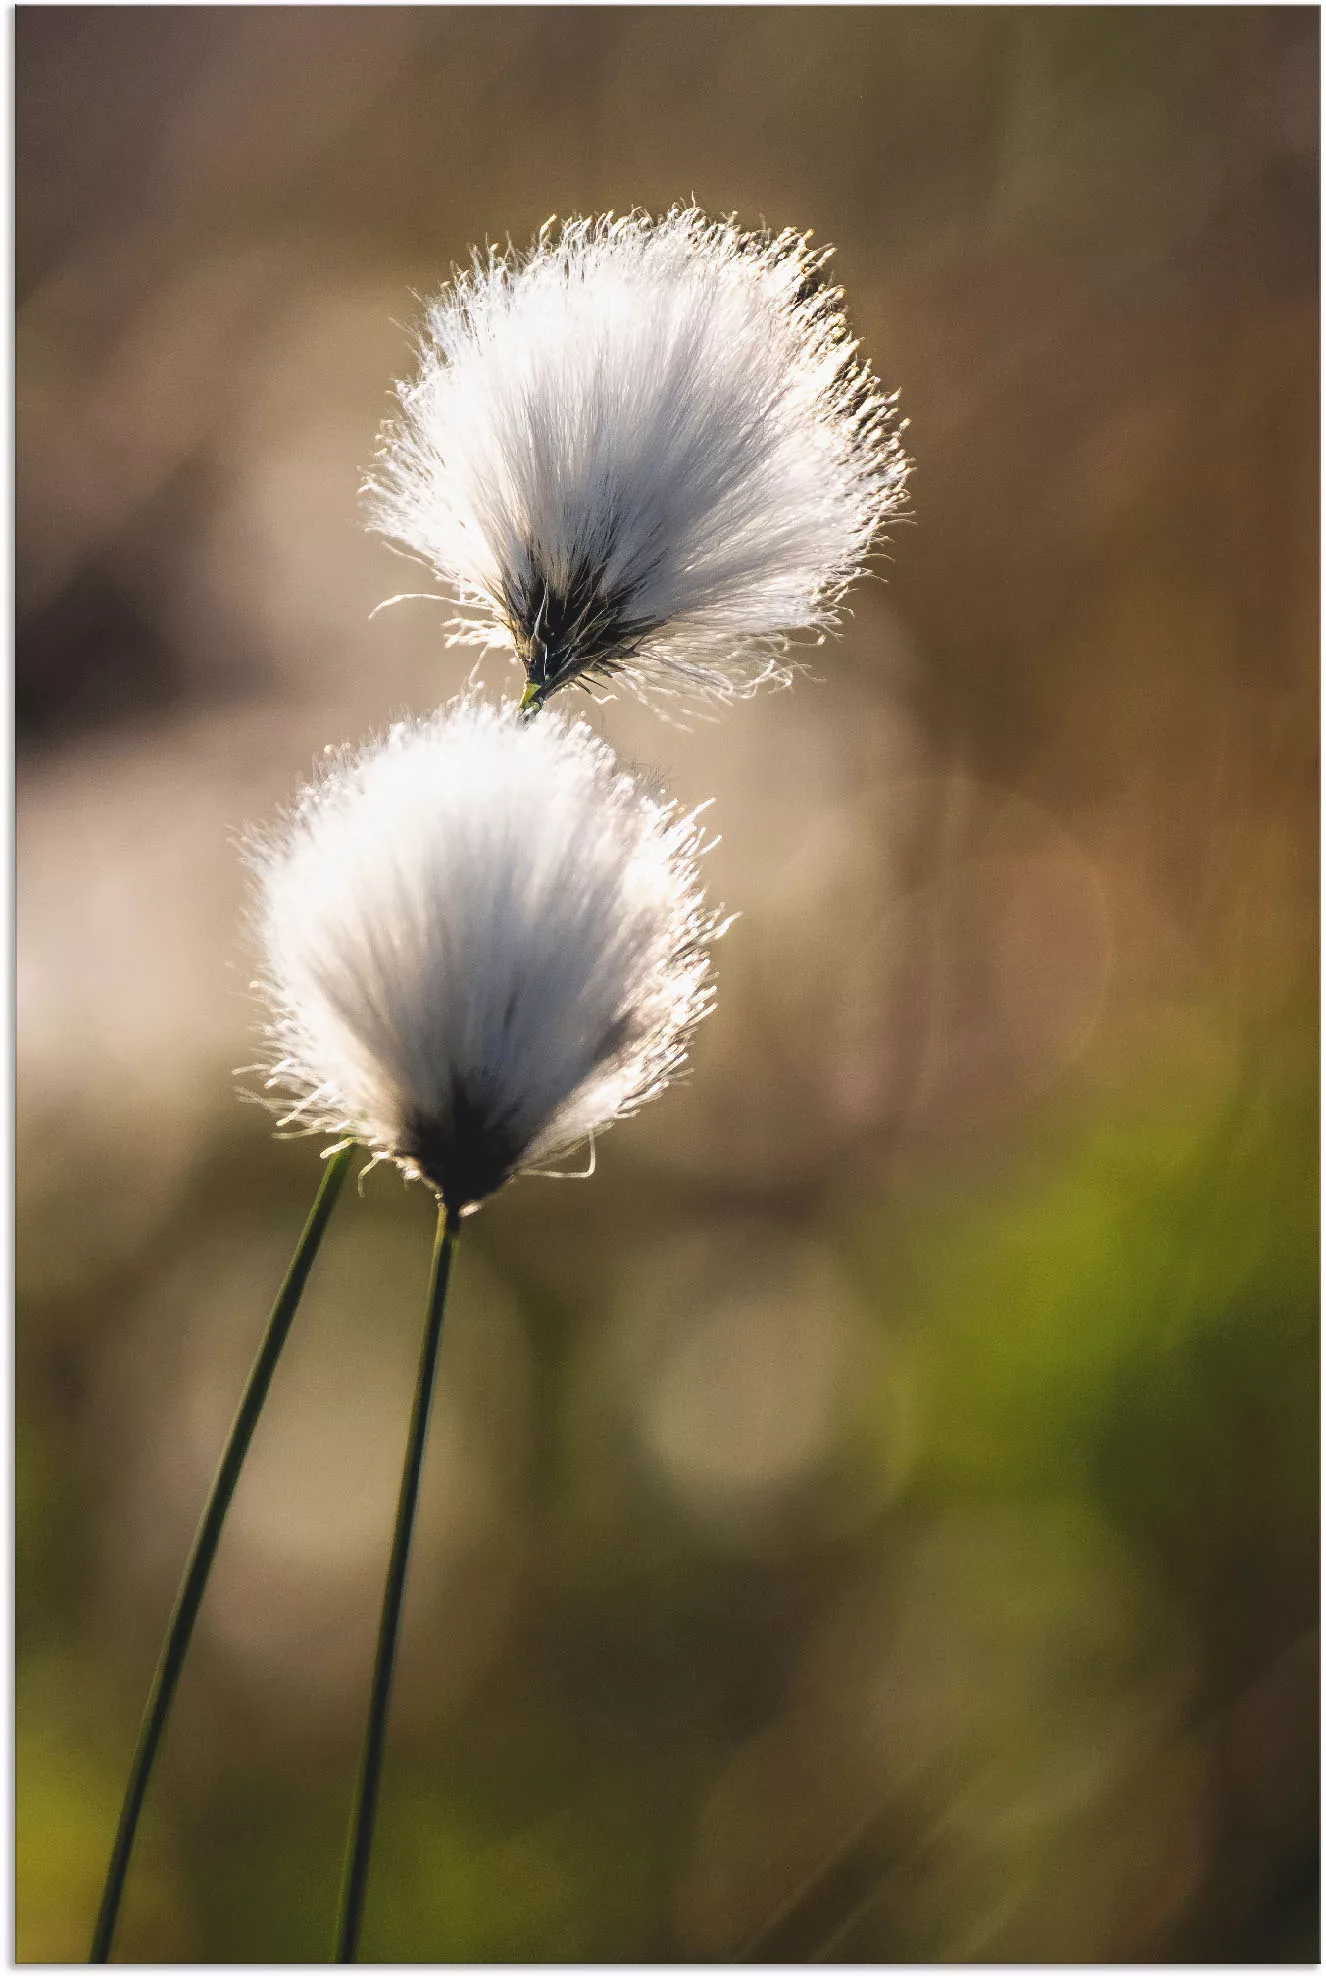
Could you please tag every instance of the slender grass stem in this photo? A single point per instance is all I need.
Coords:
(355, 1881)
(194, 1582)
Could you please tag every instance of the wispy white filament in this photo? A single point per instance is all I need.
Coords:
(482, 941)
(645, 450)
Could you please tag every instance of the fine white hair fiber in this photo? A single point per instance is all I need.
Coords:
(482, 943)
(645, 450)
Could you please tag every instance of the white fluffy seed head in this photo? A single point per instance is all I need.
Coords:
(482, 944)
(646, 450)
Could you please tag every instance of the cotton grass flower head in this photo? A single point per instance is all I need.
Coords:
(483, 943)
(644, 451)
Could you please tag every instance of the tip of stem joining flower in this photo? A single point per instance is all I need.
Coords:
(531, 700)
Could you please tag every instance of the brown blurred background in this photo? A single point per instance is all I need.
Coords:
(876, 1518)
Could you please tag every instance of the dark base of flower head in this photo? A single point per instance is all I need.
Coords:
(464, 1158)
(565, 629)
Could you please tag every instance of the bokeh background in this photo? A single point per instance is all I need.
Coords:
(876, 1518)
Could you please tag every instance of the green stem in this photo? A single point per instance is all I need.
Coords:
(194, 1582)
(355, 1882)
